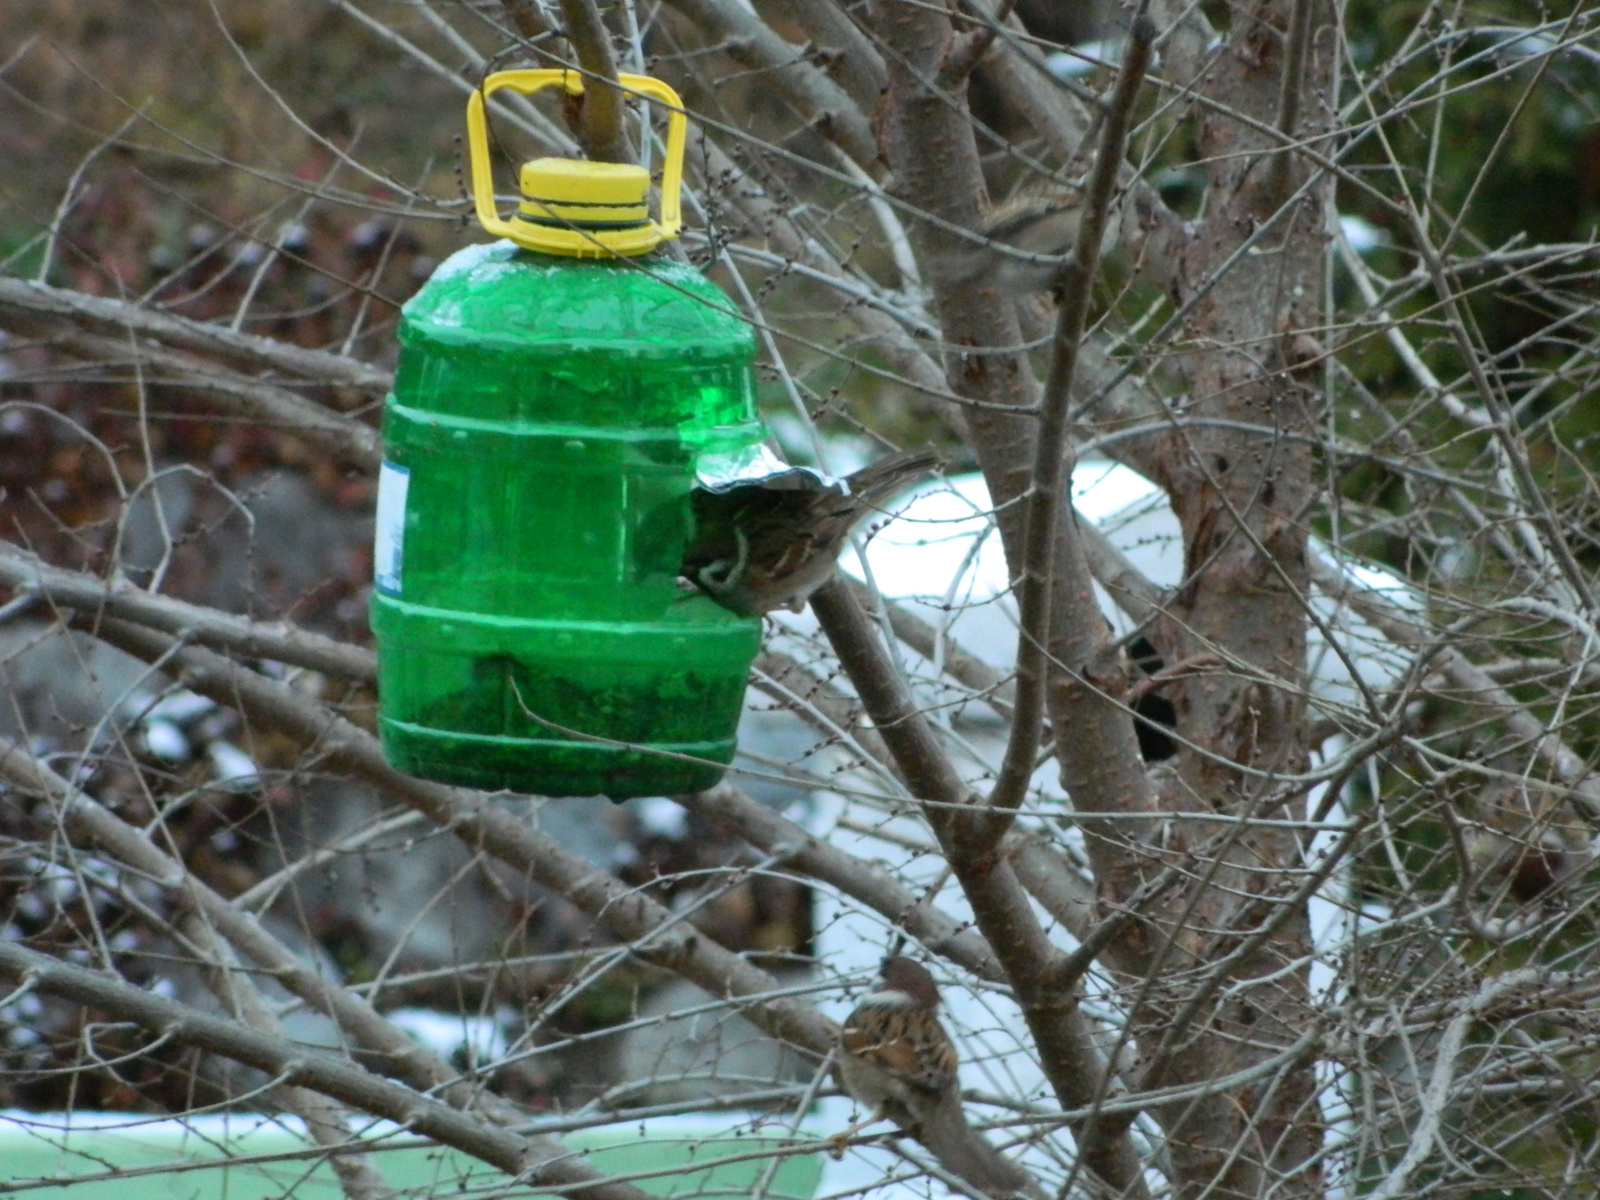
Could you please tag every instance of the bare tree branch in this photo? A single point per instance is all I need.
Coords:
(278, 640)
(119, 318)
(820, 101)
(1033, 568)
(652, 931)
(600, 116)
(841, 49)
(295, 1066)
(1002, 909)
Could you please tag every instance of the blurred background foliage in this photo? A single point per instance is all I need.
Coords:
(1499, 142)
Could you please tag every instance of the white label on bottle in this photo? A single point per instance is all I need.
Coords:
(389, 536)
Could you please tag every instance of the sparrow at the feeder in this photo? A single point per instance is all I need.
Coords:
(769, 543)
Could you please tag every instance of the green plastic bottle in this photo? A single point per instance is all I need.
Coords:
(555, 396)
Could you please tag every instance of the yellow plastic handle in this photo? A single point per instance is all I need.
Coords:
(536, 79)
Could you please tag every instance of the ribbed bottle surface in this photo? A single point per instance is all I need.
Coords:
(540, 444)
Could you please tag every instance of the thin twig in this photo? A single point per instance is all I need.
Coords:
(1403, 628)
(1052, 454)
(1298, 47)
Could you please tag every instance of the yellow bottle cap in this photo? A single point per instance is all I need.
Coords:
(569, 206)
(566, 191)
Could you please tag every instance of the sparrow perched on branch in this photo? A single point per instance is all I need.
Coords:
(896, 1059)
(1040, 221)
(1524, 839)
(1528, 866)
(769, 543)
(893, 1053)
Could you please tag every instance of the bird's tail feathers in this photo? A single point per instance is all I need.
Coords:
(880, 480)
(965, 1153)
